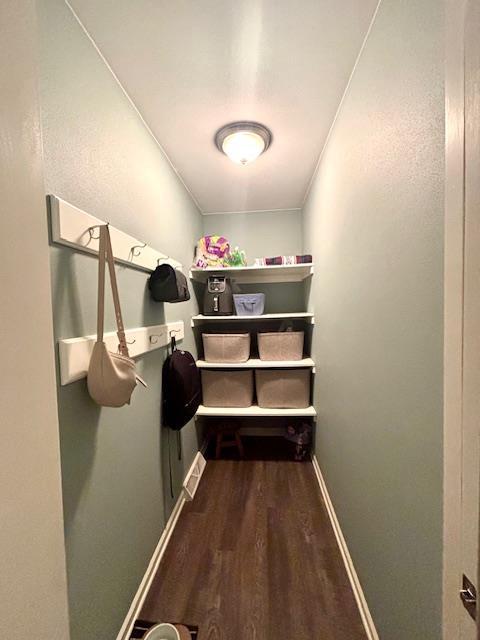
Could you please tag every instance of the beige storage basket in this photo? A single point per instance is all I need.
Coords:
(226, 347)
(227, 388)
(281, 345)
(283, 388)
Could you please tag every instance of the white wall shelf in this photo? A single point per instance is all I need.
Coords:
(75, 228)
(243, 275)
(255, 412)
(302, 315)
(256, 363)
(75, 353)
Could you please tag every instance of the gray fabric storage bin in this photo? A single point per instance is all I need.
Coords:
(249, 304)
(227, 388)
(283, 388)
(281, 345)
(226, 347)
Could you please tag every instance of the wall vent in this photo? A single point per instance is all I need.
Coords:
(192, 479)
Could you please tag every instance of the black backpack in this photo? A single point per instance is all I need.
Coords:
(167, 284)
(181, 388)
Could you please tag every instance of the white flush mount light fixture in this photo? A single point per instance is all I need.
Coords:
(243, 142)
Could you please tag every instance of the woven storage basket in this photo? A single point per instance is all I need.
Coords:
(227, 388)
(283, 388)
(226, 347)
(281, 345)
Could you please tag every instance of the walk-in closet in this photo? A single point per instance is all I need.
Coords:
(239, 320)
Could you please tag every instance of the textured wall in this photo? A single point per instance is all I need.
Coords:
(267, 233)
(33, 583)
(100, 157)
(374, 221)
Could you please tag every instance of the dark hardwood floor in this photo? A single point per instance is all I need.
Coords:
(254, 557)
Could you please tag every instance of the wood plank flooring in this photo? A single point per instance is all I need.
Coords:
(254, 557)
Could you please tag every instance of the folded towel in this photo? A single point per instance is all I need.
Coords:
(279, 260)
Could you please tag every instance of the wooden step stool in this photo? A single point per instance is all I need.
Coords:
(226, 437)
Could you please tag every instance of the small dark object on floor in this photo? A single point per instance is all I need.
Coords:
(141, 627)
(301, 437)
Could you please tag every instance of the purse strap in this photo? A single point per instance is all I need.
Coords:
(105, 254)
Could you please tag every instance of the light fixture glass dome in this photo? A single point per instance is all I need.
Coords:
(243, 142)
(243, 147)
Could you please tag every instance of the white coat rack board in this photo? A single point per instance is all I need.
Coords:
(75, 353)
(75, 228)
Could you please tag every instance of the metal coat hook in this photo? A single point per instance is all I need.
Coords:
(157, 336)
(96, 226)
(126, 342)
(136, 250)
(173, 340)
(77, 229)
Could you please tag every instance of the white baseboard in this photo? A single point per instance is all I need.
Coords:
(139, 598)
(352, 574)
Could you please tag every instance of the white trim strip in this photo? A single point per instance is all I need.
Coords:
(75, 353)
(140, 596)
(340, 104)
(453, 611)
(229, 213)
(78, 229)
(254, 411)
(347, 559)
(146, 583)
(132, 103)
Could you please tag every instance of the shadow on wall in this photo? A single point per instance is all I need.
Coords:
(170, 450)
(152, 312)
(65, 291)
(77, 445)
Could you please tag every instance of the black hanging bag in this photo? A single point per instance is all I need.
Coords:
(181, 388)
(167, 284)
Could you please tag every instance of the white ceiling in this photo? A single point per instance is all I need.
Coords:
(191, 66)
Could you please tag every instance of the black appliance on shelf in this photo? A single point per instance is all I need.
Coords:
(218, 297)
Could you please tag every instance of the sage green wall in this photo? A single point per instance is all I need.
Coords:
(259, 234)
(100, 157)
(374, 221)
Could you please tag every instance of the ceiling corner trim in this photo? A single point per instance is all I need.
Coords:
(342, 100)
(132, 103)
(232, 213)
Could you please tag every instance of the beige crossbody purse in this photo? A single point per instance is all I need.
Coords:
(112, 377)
